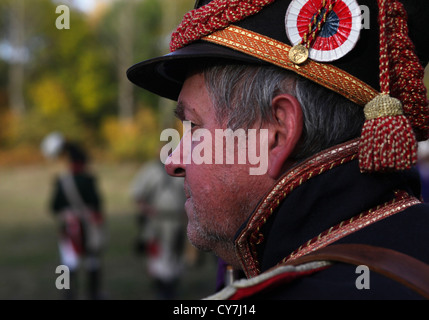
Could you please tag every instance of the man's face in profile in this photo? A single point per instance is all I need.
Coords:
(220, 197)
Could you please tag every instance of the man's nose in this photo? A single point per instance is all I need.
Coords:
(175, 164)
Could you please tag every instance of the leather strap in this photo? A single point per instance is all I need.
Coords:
(400, 267)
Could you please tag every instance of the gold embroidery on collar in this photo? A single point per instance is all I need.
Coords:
(343, 229)
(250, 236)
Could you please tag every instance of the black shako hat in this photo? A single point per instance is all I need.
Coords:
(366, 50)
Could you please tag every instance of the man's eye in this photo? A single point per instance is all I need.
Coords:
(189, 123)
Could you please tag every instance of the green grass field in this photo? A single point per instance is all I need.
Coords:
(28, 243)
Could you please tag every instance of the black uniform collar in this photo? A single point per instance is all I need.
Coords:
(311, 198)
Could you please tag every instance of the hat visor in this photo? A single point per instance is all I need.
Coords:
(165, 75)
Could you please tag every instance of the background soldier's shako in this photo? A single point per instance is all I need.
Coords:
(379, 67)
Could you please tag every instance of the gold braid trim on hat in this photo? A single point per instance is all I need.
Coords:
(277, 53)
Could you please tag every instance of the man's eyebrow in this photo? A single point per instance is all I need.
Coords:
(182, 111)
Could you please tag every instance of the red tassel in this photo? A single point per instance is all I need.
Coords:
(388, 141)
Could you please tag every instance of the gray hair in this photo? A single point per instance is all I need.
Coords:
(242, 96)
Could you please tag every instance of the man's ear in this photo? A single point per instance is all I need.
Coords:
(284, 132)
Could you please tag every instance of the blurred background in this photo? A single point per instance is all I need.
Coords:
(73, 81)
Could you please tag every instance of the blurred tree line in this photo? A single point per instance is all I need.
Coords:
(74, 80)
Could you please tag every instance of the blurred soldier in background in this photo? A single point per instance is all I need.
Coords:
(161, 237)
(77, 205)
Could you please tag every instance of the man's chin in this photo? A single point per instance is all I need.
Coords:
(197, 240)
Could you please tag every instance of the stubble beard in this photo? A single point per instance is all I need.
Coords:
(218, 238)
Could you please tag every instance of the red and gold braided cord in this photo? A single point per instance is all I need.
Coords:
(213, 16)
(384, 59)
(406, 72)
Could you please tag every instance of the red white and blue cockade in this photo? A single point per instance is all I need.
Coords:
(338, 34)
